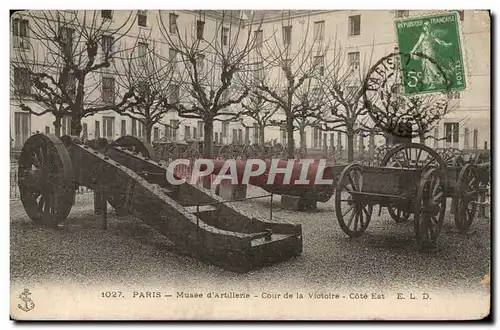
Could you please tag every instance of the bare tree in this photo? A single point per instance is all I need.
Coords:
(261, 111)
(58, 60)
(150, 78)
(344, 95)
(211, 64)
(297, 68)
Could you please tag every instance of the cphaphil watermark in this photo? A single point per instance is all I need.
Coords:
(270, 172)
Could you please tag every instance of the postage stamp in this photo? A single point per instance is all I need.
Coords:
(436, 60)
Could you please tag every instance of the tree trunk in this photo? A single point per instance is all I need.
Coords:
(76, 125)
(261, 135)
(422, 137)
(350, 145)
(57, 126)
(148, 129)
(208, 148)
(290, 142)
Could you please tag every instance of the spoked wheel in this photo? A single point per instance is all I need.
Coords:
(450, 155)
(248, 152)
(136, 144)
(466, 198)
(353, 214)
(398, 215)
(413, 155)
(430, 208)
(46, 180)
(225, 152)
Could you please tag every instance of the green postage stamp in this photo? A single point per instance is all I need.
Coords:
(431, 53)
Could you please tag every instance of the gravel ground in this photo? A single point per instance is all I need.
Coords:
(131, 253)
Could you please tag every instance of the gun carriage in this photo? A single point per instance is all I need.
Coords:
(412, 179)
(127, 174)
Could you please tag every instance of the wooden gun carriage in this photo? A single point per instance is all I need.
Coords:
(412, 179)
(127, 174)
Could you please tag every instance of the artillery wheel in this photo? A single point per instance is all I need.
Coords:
(430, 208)
(226, 152)
(449, 155)
(352, 214)
(466, 198)
(411, 156)
(46, 180)
(133, 143)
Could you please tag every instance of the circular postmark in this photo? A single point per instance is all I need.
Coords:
(406, 94)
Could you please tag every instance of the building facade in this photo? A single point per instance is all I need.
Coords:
(364, 36)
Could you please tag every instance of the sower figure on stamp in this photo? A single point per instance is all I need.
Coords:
(425, 44)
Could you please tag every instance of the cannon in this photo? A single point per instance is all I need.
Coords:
(126, 174)
(310, 191)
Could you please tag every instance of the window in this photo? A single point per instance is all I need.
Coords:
(47, 129)
(466, 138)
(355, 25)
(451, 132)
(474, 139)
(287, 35)
(108, 127)
(172, 57)
(156, 134)
(142, 18)
(353, 60)
(140, 128)
(67, 35)
(225, 36)
(287, 65)
(195, 133)
(402, 13)
(453, 95)
(71, 84)
(108, 90)
(332, 137)
(317, 94)
(107, 14)
(173, 94)
(174, 125)
(123, 127)
(283, 136)
(97, 131)
(315, 137)
(351, 92)
(247, 135)
(22, 128)
(172, 26)
(240, 136)
(259, 38)
(319, 65)
(235, 136)
(225, 129)
(200, 27)
(436, 137)
(187, 133)
(200, 127)
(20, 31)
(256, 135)
(142, 49)
(65, 125)
(22, 81)
(200, 63)
(107, 45)
(224, 97)
(319, 31)
(259, 71)
(216, 137)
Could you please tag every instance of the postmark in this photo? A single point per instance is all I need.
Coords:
(397, 106)
(435, 37)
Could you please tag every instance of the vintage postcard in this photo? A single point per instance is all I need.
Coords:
(250, 164)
